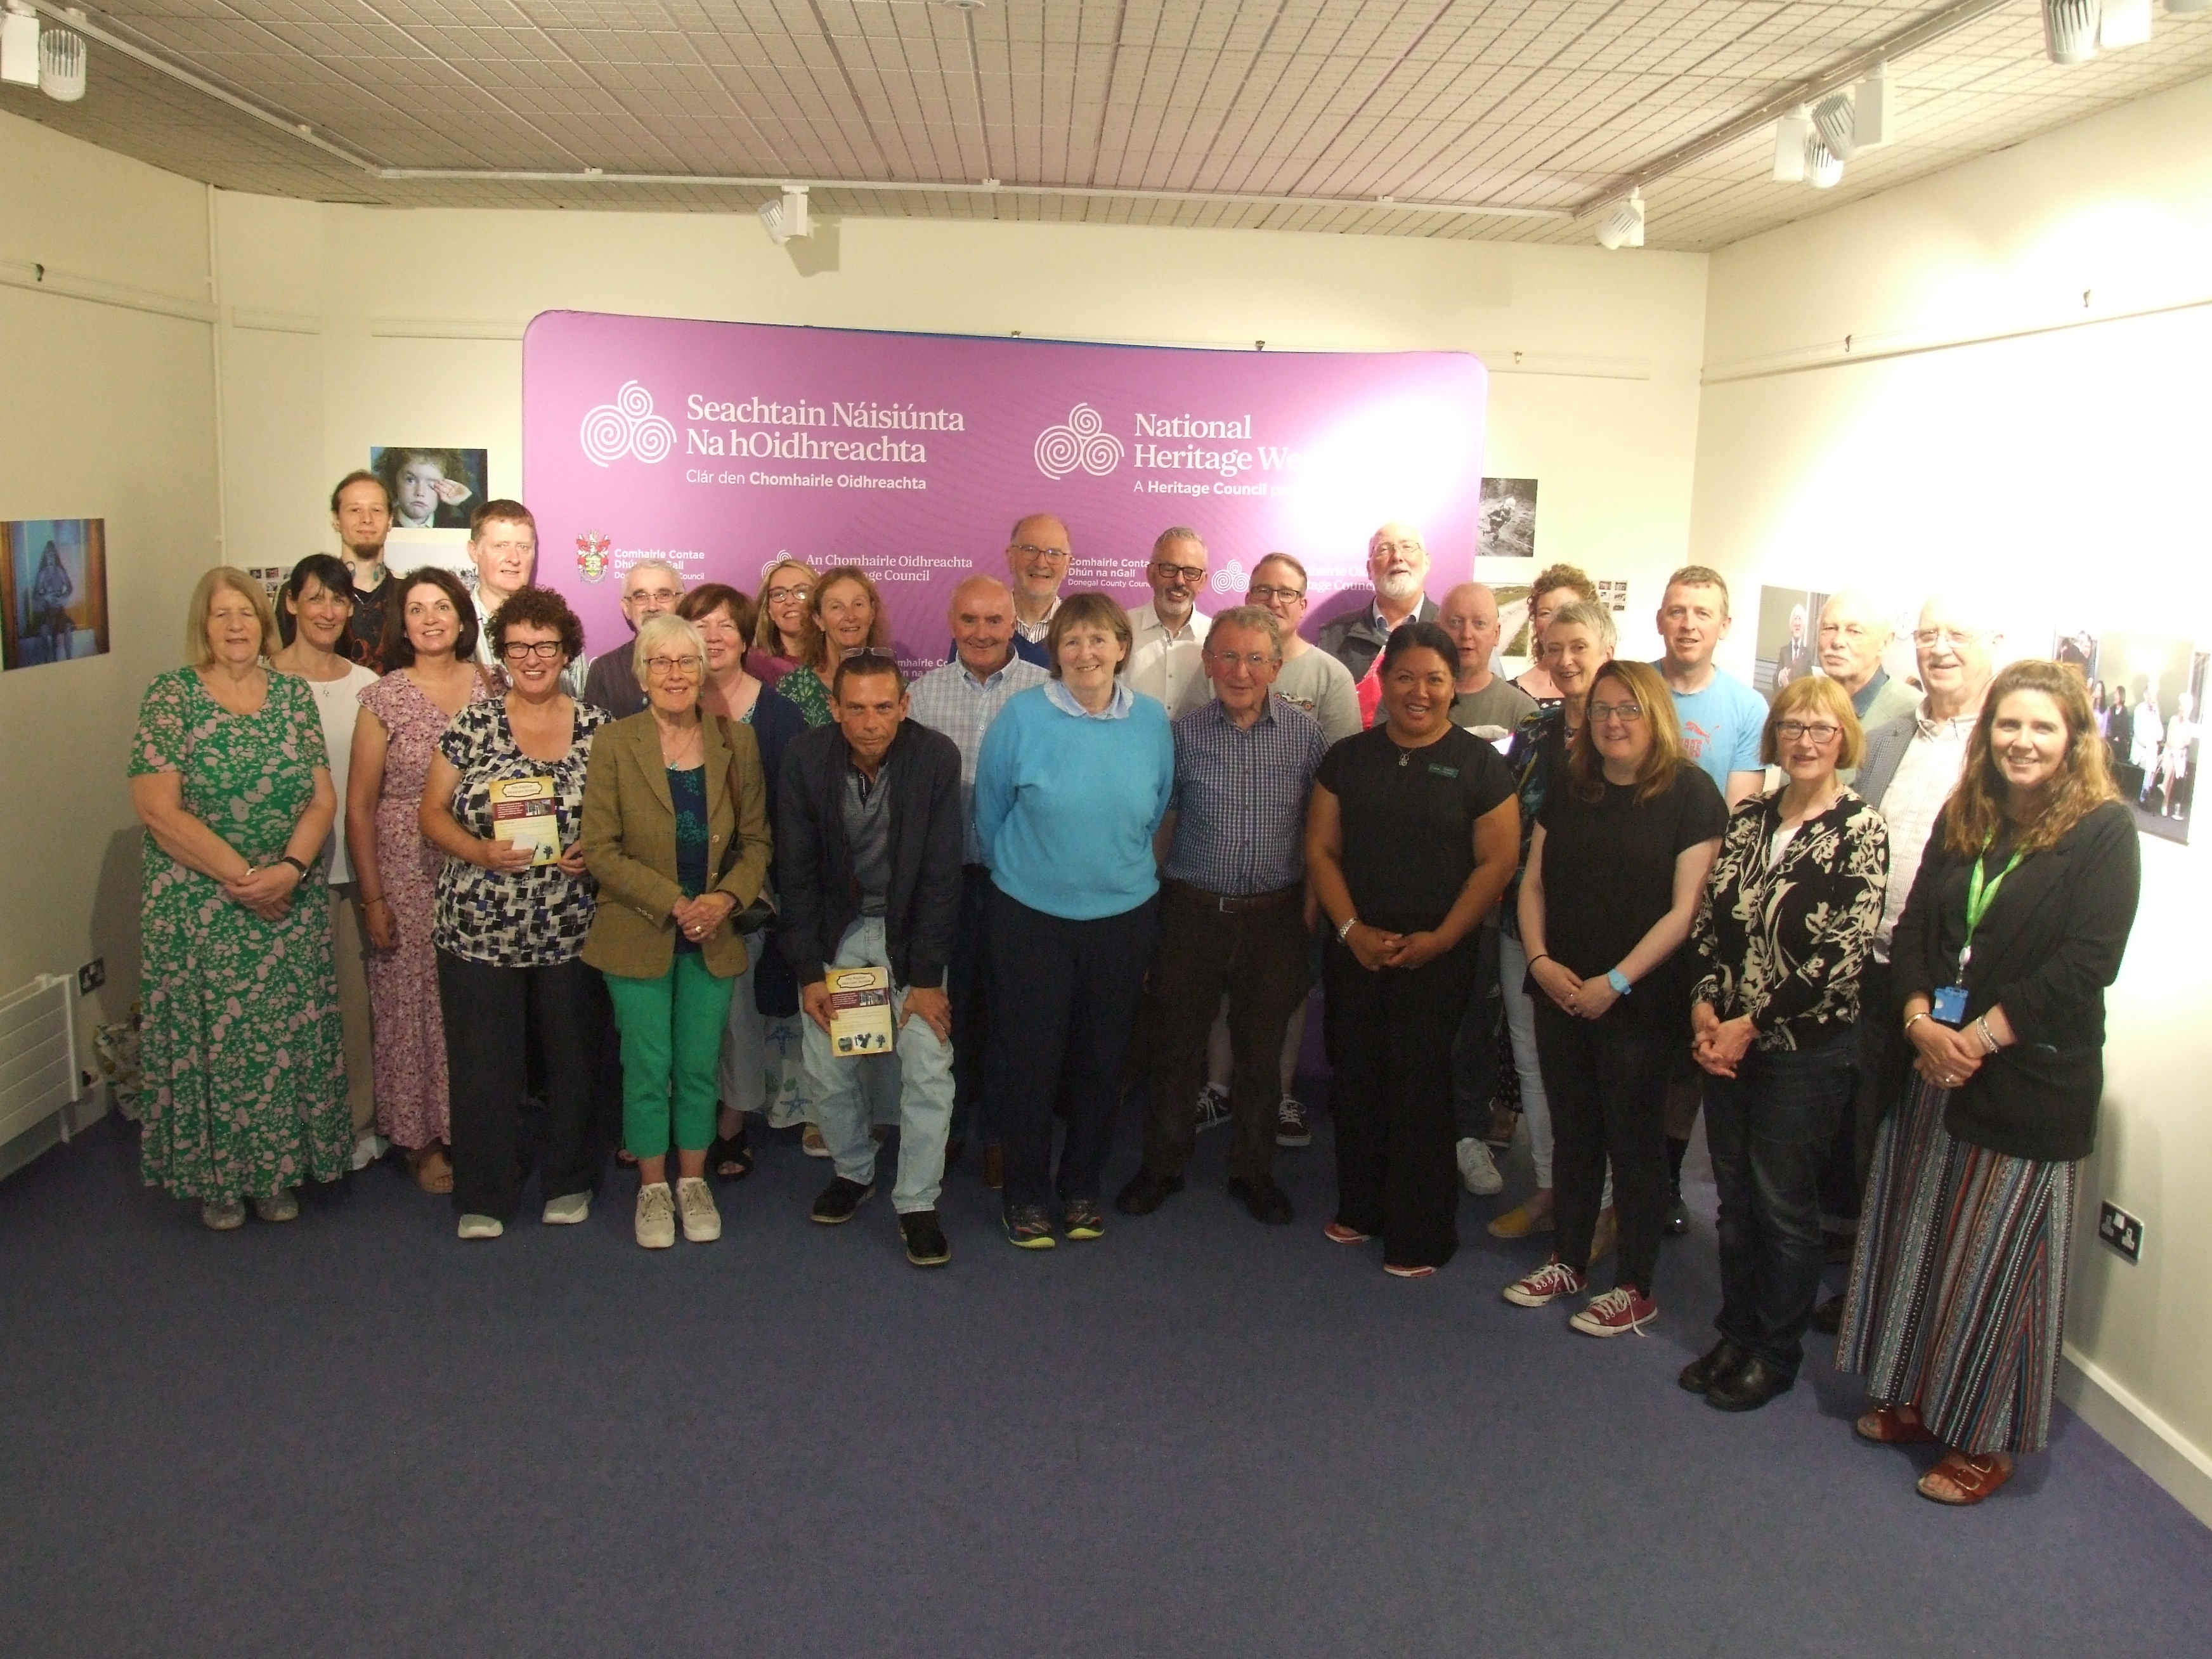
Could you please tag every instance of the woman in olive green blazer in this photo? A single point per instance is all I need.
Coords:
(676, 834)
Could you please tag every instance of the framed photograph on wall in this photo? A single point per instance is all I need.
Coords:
(1787, 646)
(53, 589)
(2147, 693)
(432, 488)
(1506, 517)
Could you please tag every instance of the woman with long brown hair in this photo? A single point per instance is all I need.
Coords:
(779, 635)
(2017, 921)
(845, 614)
(1615, 871)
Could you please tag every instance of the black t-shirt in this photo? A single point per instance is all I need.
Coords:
(1409, 819)
(1609, 875)
(366, 627)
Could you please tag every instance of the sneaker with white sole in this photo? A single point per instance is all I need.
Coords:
(223, 1215)
(1478, 1169)
(481, 1226)
(702, 1222)
(656, 1216)
(569, 1210)
(1547, 1284)
(1619, 1310)
(1291, 1128)
(811, 1144)
(1211, 1109)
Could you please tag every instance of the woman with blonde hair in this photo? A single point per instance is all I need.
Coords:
(779, 634)
(845, 614)
(1615, 871)
(2016, 923)
(243, 1051)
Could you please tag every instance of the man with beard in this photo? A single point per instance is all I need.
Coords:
(1398, 565)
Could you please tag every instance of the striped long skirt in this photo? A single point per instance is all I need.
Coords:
(1957, 1285)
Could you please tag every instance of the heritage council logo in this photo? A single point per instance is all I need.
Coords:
(627, 426)
(1082, 441)
(1230, 578)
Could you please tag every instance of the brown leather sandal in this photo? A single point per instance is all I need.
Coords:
(1963, 1478)
(432, 1169)
(1888, 1425)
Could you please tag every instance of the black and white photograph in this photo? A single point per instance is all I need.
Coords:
(1507, 511)
(1788, 644)
(53, 589)
(2148, 694)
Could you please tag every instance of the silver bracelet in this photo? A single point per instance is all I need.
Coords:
(1989, 1044)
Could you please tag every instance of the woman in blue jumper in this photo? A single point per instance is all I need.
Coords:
(1071, 783)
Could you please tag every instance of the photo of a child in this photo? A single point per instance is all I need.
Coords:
(431, 488)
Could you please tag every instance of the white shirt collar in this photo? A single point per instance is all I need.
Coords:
(1060, 697)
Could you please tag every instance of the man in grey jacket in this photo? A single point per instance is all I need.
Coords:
(1398, 565)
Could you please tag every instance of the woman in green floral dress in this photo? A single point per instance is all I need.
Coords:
(243, 1054)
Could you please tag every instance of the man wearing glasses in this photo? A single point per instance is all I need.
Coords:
(1233, 916)
(651, 587)
(1398, 565)
(503, 547)
(1309, 677)
(1038, 554)
(1164, 650)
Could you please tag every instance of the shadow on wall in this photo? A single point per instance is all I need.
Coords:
(813, 255)
(114, 932)
(2125, 1140)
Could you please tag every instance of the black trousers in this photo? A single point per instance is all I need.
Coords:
(1849, 1160)
(1063, 997)
(1607, 1082)
(1391, 1033)
(968, 989)
(495, 1018)
(1258, 959)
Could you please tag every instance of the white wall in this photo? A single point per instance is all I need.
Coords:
(419, 317)
(111, 415)
(2054, 473)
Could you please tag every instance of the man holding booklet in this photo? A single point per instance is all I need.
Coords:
(869, 843)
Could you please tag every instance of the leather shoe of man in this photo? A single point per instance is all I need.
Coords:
(1720, 1361)
(1829, 1316)
(1267, 1201)
(1146, 1192)
(1748, 1387)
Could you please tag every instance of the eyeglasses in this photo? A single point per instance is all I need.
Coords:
(1381, 549)
(1254, 661)
(786, 595)
(1929, 638)
(1626, 713)
(1820, 731)
(524, 650)
(1268, 595)
(1184, 575)
(1029, 551)
(665, 666)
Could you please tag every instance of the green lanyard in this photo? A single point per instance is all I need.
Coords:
(1979, 900)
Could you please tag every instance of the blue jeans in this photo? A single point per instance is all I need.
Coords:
(1768, 1128)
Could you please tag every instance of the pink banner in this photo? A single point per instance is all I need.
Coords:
(722, 447)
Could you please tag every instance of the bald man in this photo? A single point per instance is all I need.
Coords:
(1398, 566)
(961, 700)
(1487, 705)
(1854, 637)
(1038, 557)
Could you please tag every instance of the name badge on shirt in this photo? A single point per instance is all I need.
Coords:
(1947, 1006)
(1443, 771)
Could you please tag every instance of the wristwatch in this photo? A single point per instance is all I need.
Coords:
(295, 864)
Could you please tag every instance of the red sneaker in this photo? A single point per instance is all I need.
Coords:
(1621, 1309)
(1547, 1284)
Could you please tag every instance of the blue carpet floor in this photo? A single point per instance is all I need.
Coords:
(354, 1435)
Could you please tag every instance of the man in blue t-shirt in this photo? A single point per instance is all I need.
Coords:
(1721, 718)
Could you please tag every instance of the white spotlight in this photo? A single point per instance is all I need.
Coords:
(2124, 23)
(786, 217)
(19, 44)
(1823, 170)
(1874, 111)
(1836, 122)
(1789, 145)
(1623, 224)
(61, 64)
(2070, 30)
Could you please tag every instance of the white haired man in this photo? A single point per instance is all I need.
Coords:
(651, 587)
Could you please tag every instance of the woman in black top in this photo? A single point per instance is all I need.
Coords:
(1788, 914)
(1615, 871)
(2016, 923)
(1410, 837)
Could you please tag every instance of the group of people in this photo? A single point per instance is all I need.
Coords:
(1098, 849)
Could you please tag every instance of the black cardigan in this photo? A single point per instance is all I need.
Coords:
(814, 862)
(2050, 943)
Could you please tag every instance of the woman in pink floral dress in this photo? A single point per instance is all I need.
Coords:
(431, 639)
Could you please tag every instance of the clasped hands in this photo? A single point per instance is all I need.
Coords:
(266, 890)
(1378, 948)
(699, 917)
(509, 858)
(1945, 1057)
(1585, 999)
(1719, 1045)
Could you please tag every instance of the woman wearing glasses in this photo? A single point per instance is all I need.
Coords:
(780, 631)
(1788, 919)
(845, 614)
(514, 904)
(1616, 869)
(676, 835)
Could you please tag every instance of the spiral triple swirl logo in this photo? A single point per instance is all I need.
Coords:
(1230, 578)
(627, 426)
(1084, 441)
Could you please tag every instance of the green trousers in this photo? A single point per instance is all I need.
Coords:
(672, 1037)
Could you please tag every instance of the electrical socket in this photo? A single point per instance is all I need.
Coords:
(2121, 1230)
(92, 976)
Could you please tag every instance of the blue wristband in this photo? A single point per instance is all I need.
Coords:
(1619, 980)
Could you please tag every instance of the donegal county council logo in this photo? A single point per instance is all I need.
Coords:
(1230, 579)
(627, 426)
(1083, 442)
(591, 556)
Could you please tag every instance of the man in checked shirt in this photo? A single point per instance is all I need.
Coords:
(1233, 913)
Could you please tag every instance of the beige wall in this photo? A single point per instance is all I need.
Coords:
(2055, 475)
(110, 405)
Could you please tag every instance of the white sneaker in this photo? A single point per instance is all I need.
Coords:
(482, 1226)
(567, 1210)
(656, 1217)
(1212, 1108)
(695, 1200)
(370, 1148)
(1478, 1169)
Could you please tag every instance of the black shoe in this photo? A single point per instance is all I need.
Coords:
(1748, 1387)
(1721, 1360)
(1267, 1202)
(840, 1198)
(1146, 1192)
(1677, 1217)
(925, 1239)
(1829, 1316)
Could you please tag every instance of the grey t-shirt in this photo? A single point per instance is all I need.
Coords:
(1321, 685)
(1500, 703)
(867, 813)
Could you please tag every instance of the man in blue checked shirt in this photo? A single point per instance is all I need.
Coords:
(1233, 913)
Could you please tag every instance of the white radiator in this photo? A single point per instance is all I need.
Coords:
(38, 1056)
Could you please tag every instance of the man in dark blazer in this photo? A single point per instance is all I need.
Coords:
(1398, 565)
(868, 838)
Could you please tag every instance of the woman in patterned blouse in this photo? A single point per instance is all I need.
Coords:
(1788, 914)
(510, 927)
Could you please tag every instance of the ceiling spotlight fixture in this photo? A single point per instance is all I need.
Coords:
(786, 217)
(1623, 224)
(2124, 23)
(1823, 169)
(61, 64)
(1790, 146)
(1835, 120)
(962, 5)
(1874, 111)
(19, 44)
(2070, 30)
